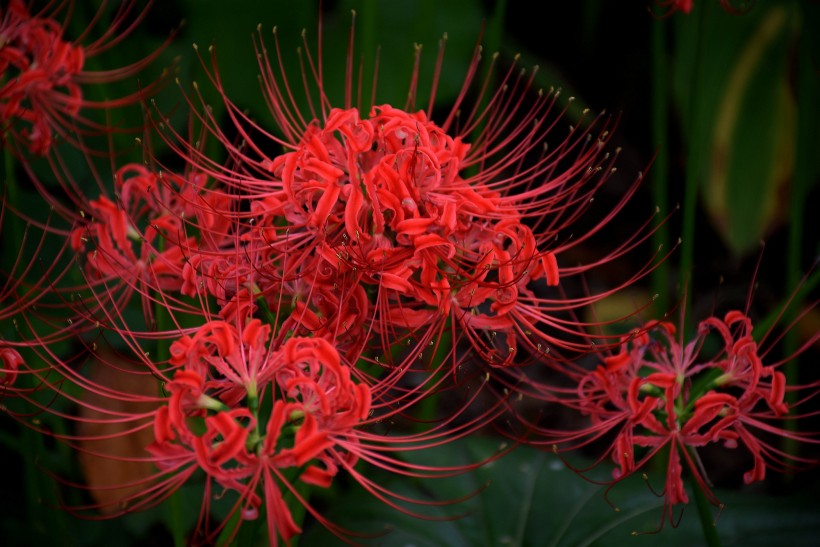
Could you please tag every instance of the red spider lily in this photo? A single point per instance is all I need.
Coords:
(257, 408)
(256, 414)
(317, 424)
(44, 74)
(310, 430)
(142, 241)
(461, 222)
(298, 294)
(658, 397)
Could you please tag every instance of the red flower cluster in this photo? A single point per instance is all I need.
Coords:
(40, 71)
(390, 220)
(141, 242)
(658, 396)
(42, 75)
(303, 298)
(212, 420)
(293, 302)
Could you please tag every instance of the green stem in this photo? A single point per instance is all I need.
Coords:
(707, 521)
(807, 123)
(175, 519)
(428, 407)
(692, 179)
(175, 522)
(495, 32)
(660, 177)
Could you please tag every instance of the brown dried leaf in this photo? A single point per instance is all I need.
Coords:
(106, 445)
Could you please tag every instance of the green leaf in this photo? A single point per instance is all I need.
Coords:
(752, 156)
(532, 499)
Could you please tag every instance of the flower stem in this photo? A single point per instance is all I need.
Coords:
(429, 406)
(660, 177)
(707, 521)
(694, 140)
(175, 520)
(804, 152)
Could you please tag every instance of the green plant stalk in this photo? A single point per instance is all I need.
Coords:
(429, 405)
(495, 32)
(806, 74)
(660, 170)
(248, 533)
(707, 521)
(692, 180)
(174, 520)
(230, 528)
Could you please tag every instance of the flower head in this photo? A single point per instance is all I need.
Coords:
(661, 398)
(43, 74)
(387, 217)
(293, 302)
(213, 419)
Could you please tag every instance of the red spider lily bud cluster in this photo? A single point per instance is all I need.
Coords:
(658, 398)
(42, 75)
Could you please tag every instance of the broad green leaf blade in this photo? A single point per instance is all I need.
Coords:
(752, 156)
(532, 499)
